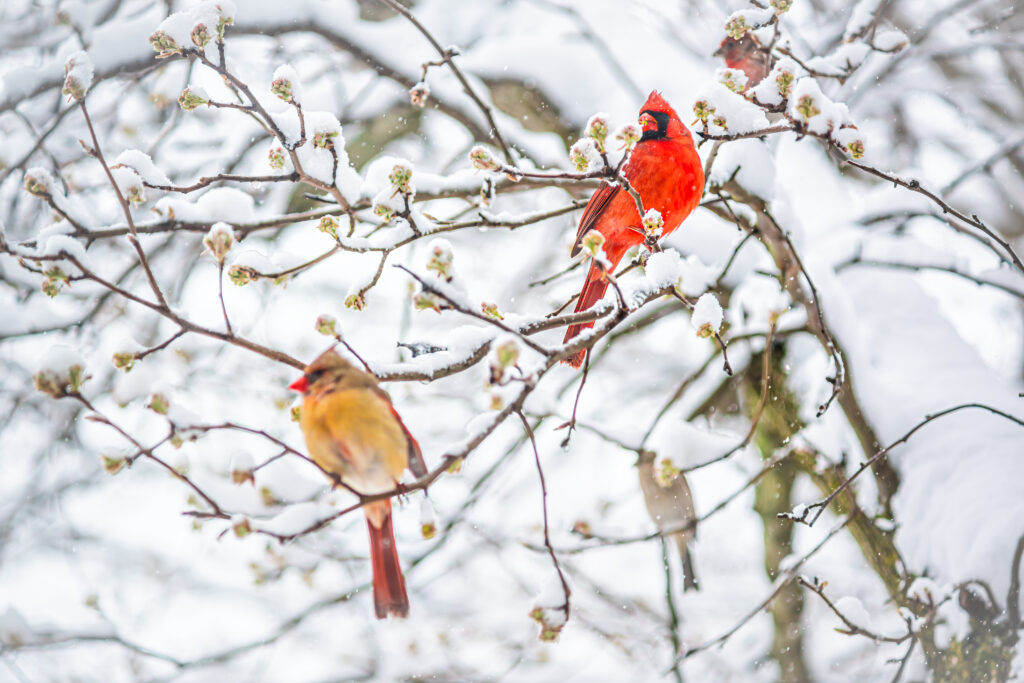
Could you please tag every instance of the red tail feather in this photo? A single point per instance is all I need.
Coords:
(593, 290)
(389, 595)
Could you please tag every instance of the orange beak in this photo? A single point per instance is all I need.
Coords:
(300, 385)
(648, 122)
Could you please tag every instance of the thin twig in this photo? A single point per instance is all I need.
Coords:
(133, 237)
(821, 505)
(783, 579)
(544, 506)
(447, 56)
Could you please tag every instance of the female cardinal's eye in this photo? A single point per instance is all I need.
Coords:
(313, 376)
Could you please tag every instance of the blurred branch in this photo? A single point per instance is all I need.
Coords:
(566, 592)
(818, 507)
(911, 184)
(781, 582)
(96, 152)
(852, 629)
(921, 267)
(447, 57)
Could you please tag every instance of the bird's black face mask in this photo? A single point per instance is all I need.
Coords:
(654, 125)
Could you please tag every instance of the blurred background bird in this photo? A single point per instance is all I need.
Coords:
(665, 170)
(671, 507)
(747, 55)
(354, 433)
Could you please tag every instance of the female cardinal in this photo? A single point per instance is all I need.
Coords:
(353, 432)
(666, 171)
(671, 510)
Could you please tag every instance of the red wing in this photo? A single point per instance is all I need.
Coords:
(599, 201)
(416, 463)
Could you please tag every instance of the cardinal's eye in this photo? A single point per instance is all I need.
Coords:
(313, 376)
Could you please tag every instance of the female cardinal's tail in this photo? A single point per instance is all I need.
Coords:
(594, 288)
(389, 595)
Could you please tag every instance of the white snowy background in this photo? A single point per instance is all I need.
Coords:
(102, 577)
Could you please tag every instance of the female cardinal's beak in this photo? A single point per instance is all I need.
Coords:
(300, 385)
(648, 122)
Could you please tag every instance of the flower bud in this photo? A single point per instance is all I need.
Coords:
(200, 36)
(159, 404)
(190, 100)
(164, 45)
(325, 139)
(124, 360)
(419, 93)
(441, 259)
(222, 23)
(286, 86)
(653, 223)
(50, 288)
(276, 157)
(329, 226)
(241, 528)
(423, 301)
(582, 155)
(78, 74)
(806, 108)
(55, 280)
(593, 242)
(113, 465)
(282, 88)
(707, 315)
(400, 177)
(781, 6)
(855, 149)
(784, 83)
(733, 79)
(242, 275)
(356, 302)
(135, 195)
(628, 135)
(56, 273)
(597, 130)
(37, 186)
(491, 311)
(384, 211)
(702, 110)
(61, 374)
(507, 354)
(665, 473)
(219, 240)
(268, 498)
(428, 524)
(736, 27)
(49, 383)
(551, 620)
(482, 160)
(326, 325)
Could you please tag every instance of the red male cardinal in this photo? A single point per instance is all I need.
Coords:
(353, 432)
(747, 55)
(666, 171)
